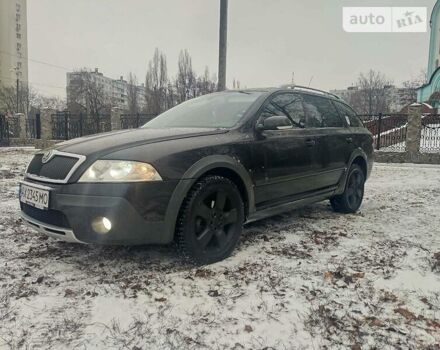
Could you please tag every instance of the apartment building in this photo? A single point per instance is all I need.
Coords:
(115, 91)
(13, 42)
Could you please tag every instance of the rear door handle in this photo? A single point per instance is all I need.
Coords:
(349, 139)
(310, 142)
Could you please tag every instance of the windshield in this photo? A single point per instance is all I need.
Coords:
(218, 110)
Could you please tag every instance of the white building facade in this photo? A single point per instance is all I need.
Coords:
(13, 42)
(115, 90)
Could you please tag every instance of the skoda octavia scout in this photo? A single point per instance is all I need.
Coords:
(197, 172)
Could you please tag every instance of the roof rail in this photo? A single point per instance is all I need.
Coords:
(306, 88)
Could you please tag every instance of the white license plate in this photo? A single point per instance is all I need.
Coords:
(37, 197)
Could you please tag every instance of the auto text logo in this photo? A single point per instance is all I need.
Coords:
(385, 19)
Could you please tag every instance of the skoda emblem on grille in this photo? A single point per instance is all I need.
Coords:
(47, 156)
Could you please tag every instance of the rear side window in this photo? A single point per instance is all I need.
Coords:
(286, 104)
(349, 115)
(321, 113)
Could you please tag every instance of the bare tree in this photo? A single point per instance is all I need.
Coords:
(8, 98)
(206, 84)
(161, 93)
(186, 78)
(87, 94)
(417, 81)
(172, 97)
(371, 96)
(156, 83)
(132, 94)
(53, 102)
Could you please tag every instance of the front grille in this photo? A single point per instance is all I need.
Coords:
(50, 216)
(57, 168)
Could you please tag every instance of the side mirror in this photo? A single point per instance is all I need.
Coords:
(274, 123)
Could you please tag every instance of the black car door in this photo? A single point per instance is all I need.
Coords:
(332, 135)
(356, 130)
(288, 154)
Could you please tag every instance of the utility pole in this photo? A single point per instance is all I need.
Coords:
(222, 45)
(18, 98)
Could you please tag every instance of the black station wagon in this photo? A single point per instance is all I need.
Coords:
(197, 172)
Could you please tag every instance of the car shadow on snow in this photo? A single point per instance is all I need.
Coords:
(166, 258)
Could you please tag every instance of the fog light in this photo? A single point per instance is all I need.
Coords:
(101, 225)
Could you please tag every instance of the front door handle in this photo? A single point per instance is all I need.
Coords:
(349, 139)
(310, 142)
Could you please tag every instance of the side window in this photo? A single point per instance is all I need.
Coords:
(288, 105)
(320, 113)
(349, 115)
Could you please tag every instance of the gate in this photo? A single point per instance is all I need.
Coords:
(4, 131)
(389, 130)
(430, 135)
(33, 124)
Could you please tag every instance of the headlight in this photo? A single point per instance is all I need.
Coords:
(119, 171)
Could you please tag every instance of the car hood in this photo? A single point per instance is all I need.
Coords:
(117, 140)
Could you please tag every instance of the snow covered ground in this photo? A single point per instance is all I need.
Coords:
(307, 279)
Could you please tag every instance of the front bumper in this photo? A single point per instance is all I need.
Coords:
(138, 212)
(50, 230)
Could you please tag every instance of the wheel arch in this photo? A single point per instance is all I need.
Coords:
(358, 157)
(359, 160)
(226, 166)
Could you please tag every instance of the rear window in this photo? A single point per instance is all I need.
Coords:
(349, 115)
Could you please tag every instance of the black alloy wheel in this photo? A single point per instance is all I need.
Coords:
(210, 220)
(351, 200)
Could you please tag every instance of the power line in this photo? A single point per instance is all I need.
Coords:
(34, 83)
(37, 61)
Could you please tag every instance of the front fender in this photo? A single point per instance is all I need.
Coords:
(191, 176)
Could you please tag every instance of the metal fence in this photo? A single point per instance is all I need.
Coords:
(67, 126)
(33, 124)
(430, 134)
(389, 130)
(13, 126)
(33, 127)
(131, 121)
(10, 128)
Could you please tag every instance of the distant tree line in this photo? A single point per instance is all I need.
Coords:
(371, 93)
(158, 93)
(163, 92)
(28, 99)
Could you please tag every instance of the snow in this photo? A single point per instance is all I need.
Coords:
(307, 279)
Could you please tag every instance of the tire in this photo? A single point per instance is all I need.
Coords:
(210, 220)
(351, 200)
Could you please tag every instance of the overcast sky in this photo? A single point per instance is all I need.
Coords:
(267, 40)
